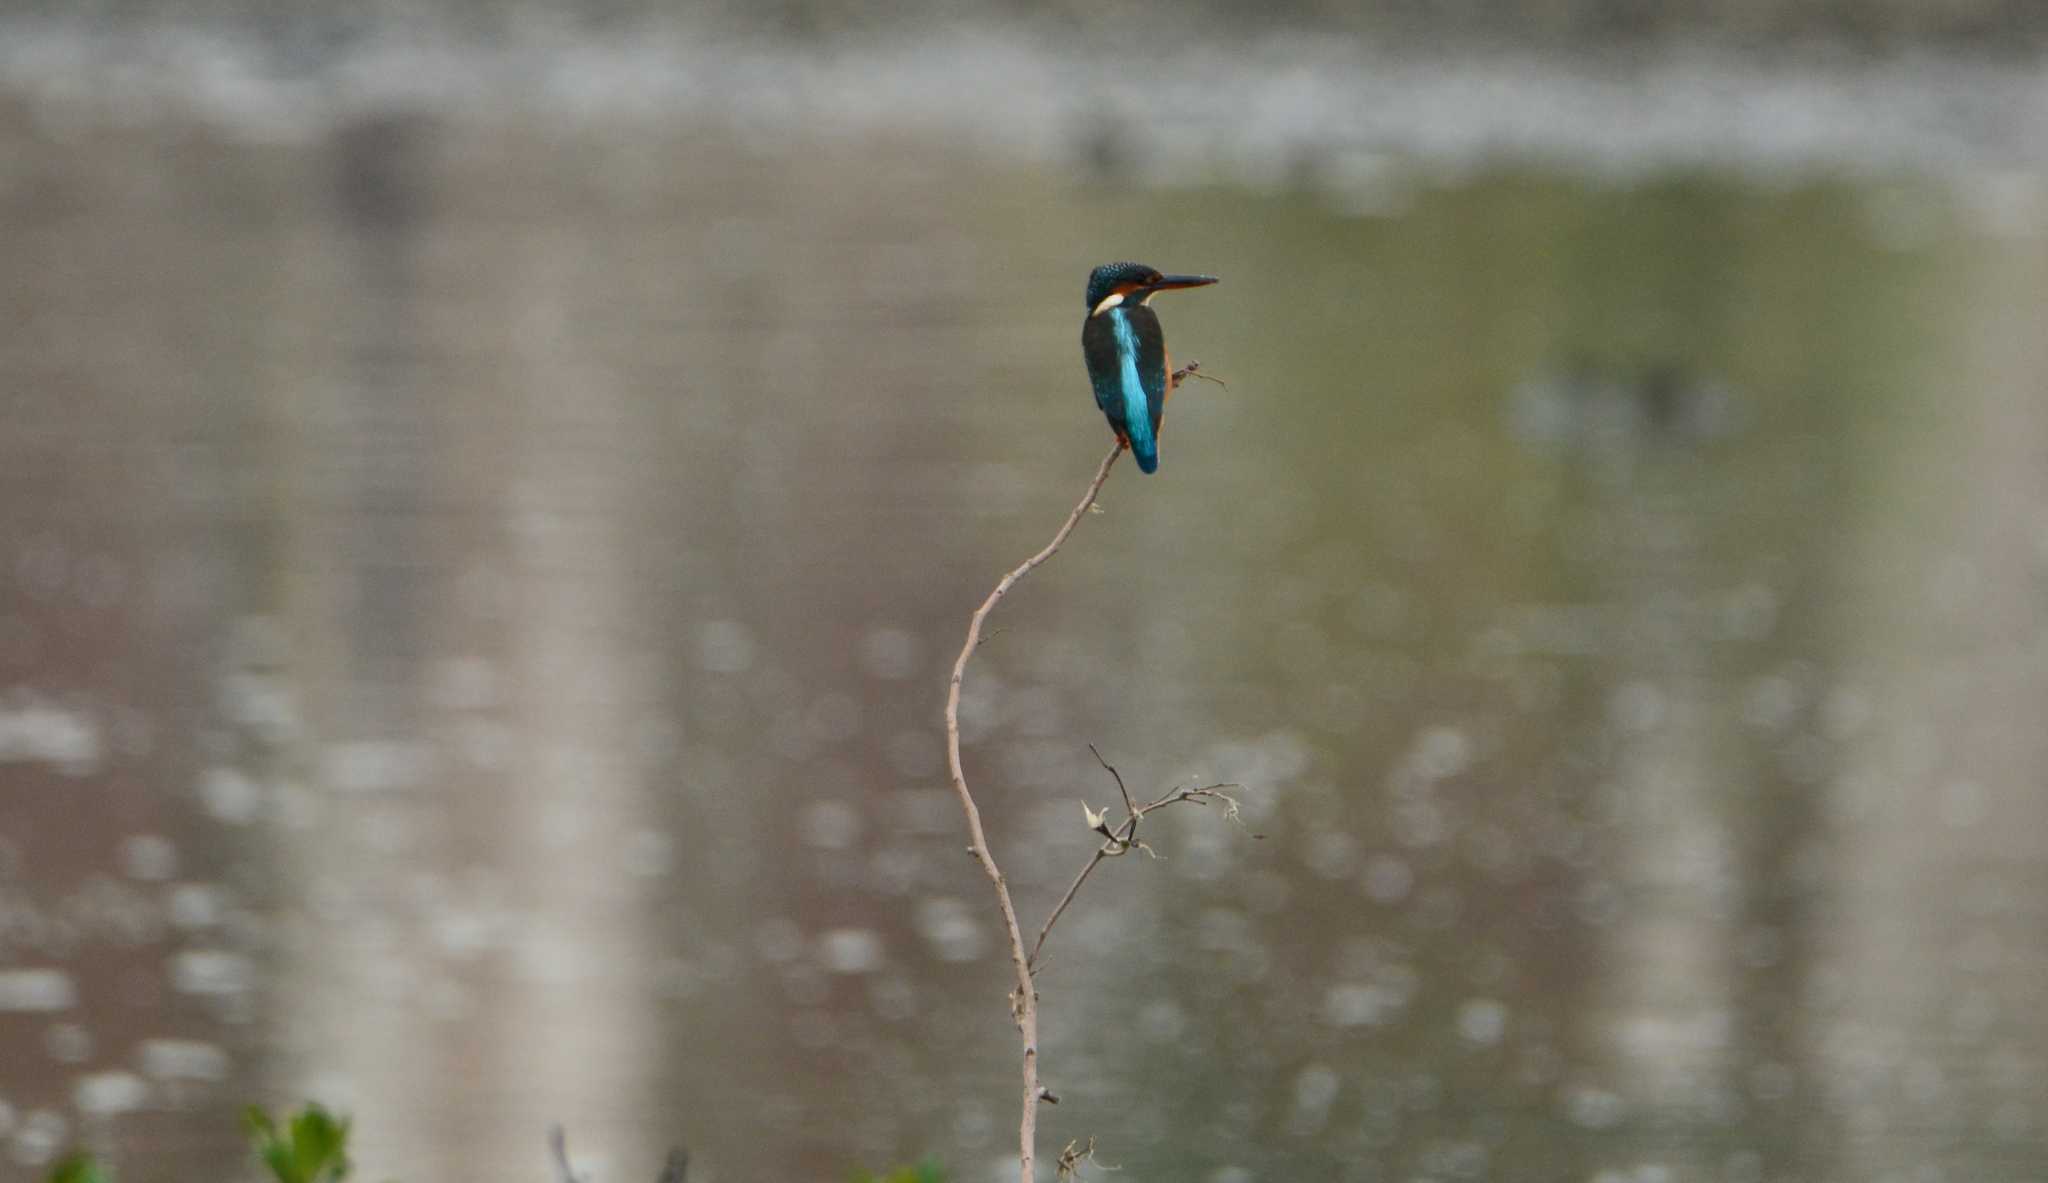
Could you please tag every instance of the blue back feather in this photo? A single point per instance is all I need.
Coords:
(1137, 409)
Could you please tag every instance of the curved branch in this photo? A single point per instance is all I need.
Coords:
(1024, 1001)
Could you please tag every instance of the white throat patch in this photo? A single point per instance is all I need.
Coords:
(1108, 302)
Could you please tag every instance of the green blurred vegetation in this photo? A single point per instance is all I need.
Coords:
(924, 1172)
(310, 1147)
(78, 1167)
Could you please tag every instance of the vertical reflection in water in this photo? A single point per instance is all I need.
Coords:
(1687, 906)
(570, 824)
(465, 914)
(1934, 1047)
(1664, 994)
(352, 974)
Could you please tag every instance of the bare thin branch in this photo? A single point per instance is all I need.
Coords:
(1025, 999)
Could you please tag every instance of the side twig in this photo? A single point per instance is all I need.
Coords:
(1123, 838)
(1024, 1000)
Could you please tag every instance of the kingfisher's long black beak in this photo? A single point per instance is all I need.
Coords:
(1169, 282)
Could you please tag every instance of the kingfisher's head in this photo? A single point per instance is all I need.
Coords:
(1114, 283)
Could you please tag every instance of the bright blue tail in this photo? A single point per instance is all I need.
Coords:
(1146, 453)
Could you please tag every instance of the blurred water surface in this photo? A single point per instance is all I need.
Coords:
(475, 599)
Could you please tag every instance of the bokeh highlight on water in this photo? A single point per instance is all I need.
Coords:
(475, 592)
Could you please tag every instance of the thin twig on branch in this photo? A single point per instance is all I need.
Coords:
(1074, 1157)
(1123, 838)
(1130, 806)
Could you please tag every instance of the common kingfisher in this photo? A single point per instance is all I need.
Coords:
(1126, 352)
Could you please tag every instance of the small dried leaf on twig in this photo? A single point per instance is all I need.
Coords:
(1076, 1155)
